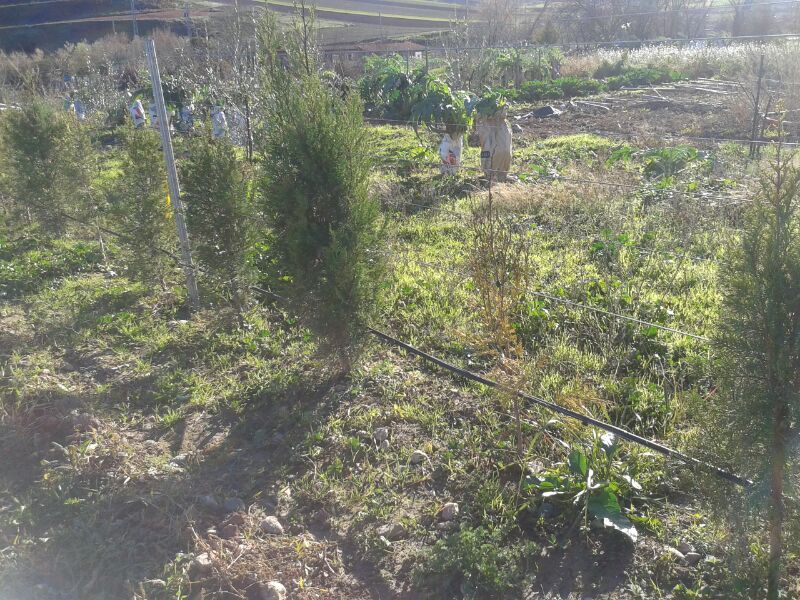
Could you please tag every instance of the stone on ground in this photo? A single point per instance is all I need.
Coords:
(271, 526)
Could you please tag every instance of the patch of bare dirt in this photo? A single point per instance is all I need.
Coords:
(646, 116)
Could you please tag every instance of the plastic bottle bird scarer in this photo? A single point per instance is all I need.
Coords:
(494, 133)
(137, 114)
(153, 115)
(187, 117)
(450, 152)
(80, 109)
(219, 125)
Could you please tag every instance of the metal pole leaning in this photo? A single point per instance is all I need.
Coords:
(172, 175)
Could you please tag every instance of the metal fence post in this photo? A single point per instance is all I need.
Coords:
(172, 175)
(133, 18)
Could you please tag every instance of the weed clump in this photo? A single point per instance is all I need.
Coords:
(473, 563)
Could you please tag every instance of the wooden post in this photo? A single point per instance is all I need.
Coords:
(172, 175)
(756, 107)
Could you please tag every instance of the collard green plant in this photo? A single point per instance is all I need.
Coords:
(488, 105)
(217, 194)
(387, 91)
(595, 482)
(139, 202)
(668, 162)
(49, 161)
(438, 106)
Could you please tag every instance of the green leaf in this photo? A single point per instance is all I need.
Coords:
(578, 463)
(633, 483)
(609, 443)
(604, 506)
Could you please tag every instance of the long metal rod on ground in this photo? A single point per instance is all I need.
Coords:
(586, 420)
(172, 174)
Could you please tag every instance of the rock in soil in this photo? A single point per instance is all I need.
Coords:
(449, 511)
(692, 558)
(418, 457)
(321, 517)
(235, 519)
(384, 445)
(84, 422)
(685, 548)
(208, 502)
(229, 531)
(274, 590)
(271, 526)
(676, 554)
(201, 565)
(381, 434)
(391, 531)
(234, 505)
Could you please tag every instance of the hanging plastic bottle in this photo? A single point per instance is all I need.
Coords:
(219, 123)
(80, 109)
(137, 114)
(187, 117)
(153, 111)
(450, 152)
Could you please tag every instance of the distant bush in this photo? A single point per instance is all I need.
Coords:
(643, 76)
(577, 87)
(564, 87)
(610, 68)
(139, 202)
(535, 91)
(49, 163)
(217, 194)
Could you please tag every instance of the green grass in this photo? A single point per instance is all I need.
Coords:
(283, 420)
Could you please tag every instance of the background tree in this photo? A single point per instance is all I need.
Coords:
(315, 189)
(139, 201)
(216, 189)
(49, 161)
(757, 409)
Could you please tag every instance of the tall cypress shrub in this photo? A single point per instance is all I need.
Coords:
(315, 188)
(49, 161)
(754, 414)
(139, 204)
(216, 190)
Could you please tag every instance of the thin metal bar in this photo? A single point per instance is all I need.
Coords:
(172, 175)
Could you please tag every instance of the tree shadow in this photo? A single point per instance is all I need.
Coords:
(116, 517)
(586, 566)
